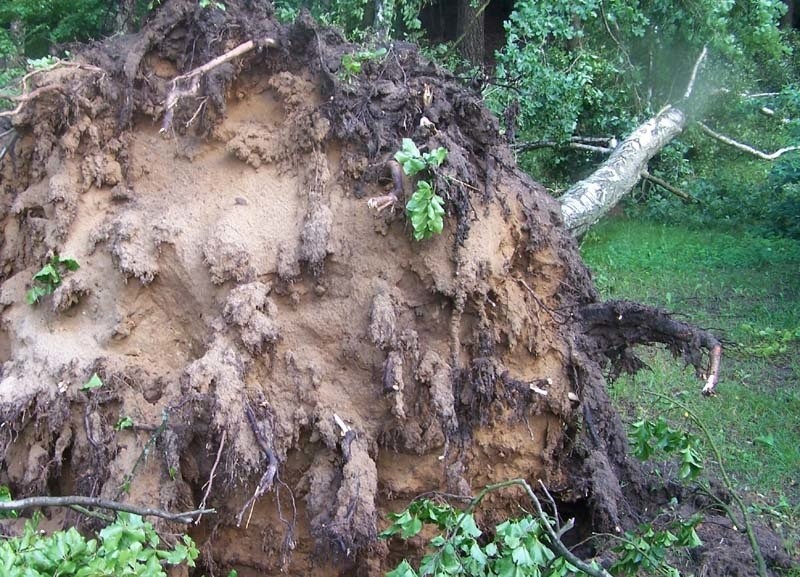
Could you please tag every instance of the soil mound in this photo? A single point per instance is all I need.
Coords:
(286, 355)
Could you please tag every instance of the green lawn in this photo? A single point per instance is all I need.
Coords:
(745, 288)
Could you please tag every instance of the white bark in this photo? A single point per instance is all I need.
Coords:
(588, 200)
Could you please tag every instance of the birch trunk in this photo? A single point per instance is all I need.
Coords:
(591, 198)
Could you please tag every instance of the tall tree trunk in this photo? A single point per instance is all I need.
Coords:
(791, 19)
(470, 31)
(588, 200)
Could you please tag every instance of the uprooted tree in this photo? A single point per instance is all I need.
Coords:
(281, 353)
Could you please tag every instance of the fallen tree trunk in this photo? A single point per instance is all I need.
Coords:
(588, 200)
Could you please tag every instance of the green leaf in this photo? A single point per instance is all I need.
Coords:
(402, 570)
(94, 382)
(34, 294)
(435, 157)
(469, 528)
(476, 553)
(411, 528)
(521, 556)
(123, 423)
(413, 166)
(69, 263)
(48, 274)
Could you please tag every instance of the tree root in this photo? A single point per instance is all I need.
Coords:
(380, 203)
(75, 501)
(28, 95)
(613, 327)
(193, 77)
(268, 478)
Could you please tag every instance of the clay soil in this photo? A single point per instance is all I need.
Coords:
(255, 319)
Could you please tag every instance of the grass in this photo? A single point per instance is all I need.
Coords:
(747, 289)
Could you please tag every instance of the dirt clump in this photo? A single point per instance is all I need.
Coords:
(253, 317)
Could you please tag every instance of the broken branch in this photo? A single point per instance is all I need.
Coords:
(77, 500)
(554, 536)
(695, 69)
(745, 147)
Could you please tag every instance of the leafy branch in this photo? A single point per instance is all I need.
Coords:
(726, 480)
(523, 547)
(425, 208)
(648, 437)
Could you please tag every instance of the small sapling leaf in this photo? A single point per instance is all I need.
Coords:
(94, 382)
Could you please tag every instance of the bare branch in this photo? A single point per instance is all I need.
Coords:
(695, 69)
(78, 500)
(574, 144)
(745, 147)
(668, 187)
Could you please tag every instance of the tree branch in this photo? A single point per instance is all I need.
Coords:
(668, 187)
(575, 142)
(751, 535)
(695, 69)
(555, 540)
(78, 500)
(744, 147)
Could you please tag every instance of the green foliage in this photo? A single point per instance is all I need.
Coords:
(213, 4)
(123, 423)
(518, 547)
(50, 277)
(5, 497)
(32, 27)
(94, 382)
(647, 549)
(425, 208)
(348, 15)
(648, 437)
(352, 63)
(725, 279)
(129, 547)
(769, 341)
(355, 17)
(598, 66)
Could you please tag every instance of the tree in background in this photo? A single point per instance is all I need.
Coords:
(585, 74)
(572, 79)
